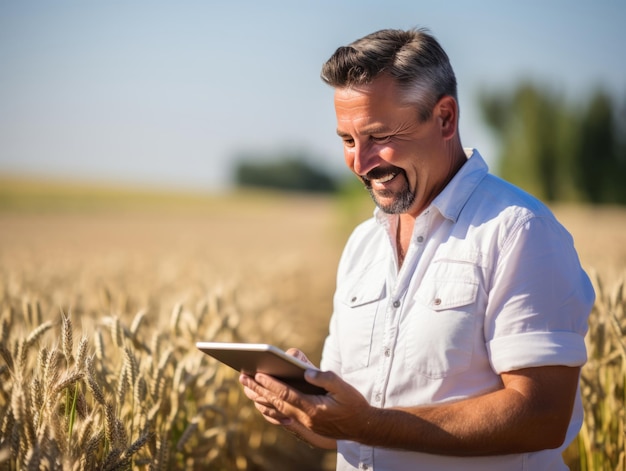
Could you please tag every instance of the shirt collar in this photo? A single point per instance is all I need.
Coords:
(453, 197)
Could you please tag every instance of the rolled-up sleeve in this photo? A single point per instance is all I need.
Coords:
(540, 300)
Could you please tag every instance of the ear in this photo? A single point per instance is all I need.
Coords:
(447, 112)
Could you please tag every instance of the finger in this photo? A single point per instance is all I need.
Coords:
(251, 386)
(299, 354)
(248, 388)
(272, 415)
(280, 395)
(254, 397)
(255, 391)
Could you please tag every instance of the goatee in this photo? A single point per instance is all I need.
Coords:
(400, 201)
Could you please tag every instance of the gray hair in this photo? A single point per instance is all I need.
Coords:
(414, 58)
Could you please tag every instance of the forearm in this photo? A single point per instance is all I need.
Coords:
(498, 423)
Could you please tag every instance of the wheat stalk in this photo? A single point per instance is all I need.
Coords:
(99, 345)
(38, 332)
(93, 383)
(117, 332)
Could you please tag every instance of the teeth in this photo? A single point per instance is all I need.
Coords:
(385, 179)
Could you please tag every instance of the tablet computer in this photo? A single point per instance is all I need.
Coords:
(251, 358)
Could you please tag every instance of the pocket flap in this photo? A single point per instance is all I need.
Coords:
(448, 294)
(366, 290)
(448, 285)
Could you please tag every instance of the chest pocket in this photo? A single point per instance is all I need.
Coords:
(358, 305)
(442, 325)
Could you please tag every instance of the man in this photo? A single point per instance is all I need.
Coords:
(457, 335)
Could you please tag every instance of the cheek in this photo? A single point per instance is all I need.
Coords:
(394, 153)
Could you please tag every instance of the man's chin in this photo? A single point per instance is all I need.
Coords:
(392, 204)
(389, 206)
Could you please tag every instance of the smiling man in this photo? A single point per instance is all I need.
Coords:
(461, 307)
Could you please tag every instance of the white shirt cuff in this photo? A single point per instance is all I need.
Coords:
(532, 349)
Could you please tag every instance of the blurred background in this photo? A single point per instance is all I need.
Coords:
(198, 95)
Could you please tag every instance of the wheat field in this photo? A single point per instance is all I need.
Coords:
(101, 305)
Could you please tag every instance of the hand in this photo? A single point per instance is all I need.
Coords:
(343, 413)
(268, 411)
(264, 406)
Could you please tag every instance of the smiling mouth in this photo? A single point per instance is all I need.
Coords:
(380, 176)
(384, 179)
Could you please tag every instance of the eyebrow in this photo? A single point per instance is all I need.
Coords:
(370, 131)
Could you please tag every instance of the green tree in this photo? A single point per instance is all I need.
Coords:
(286, 172)
(601, 158)
(529, 125)
(554, 150)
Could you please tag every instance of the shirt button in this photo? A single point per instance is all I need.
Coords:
(378, 397)
(420, 239)
(437, 301)
(387, 351)
(353, 299)
(363, 466)
(396, 304)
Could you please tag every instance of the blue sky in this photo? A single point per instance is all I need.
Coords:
(167, 93)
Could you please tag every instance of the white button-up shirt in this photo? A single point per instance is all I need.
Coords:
(490, 283)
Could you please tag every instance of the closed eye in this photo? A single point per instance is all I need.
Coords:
(381, 139)
(348, 142)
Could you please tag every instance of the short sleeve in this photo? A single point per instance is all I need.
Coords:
(540, 300)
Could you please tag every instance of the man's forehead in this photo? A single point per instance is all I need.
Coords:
(381, 85)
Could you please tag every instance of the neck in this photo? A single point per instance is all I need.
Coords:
(403, 236)
(456, 158)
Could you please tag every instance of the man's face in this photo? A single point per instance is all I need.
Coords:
(400, 160)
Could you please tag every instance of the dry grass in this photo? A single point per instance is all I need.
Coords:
(100, 310)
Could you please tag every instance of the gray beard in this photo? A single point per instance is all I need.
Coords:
(400, 203)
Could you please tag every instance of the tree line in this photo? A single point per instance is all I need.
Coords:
(287, 171)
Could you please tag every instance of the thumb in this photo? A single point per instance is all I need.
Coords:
(326, 379)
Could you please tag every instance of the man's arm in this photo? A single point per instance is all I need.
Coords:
(531, 412)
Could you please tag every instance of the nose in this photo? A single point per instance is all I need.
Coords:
(364, 158)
